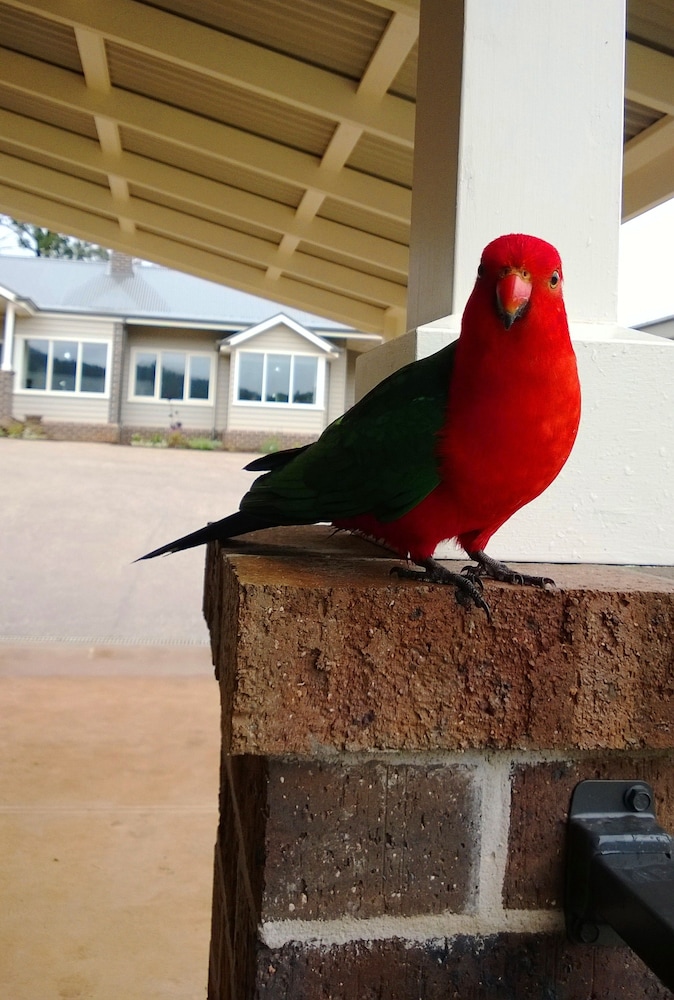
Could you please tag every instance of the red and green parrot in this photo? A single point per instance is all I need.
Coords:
(448, 447)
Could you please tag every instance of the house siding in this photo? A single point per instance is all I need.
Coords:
(100, 301)
(287, 423)
(336, 387)
(160, 414)
(62, 407)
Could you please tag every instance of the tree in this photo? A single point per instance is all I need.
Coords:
(44, 242)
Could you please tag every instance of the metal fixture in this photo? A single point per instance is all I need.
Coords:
(620, 873)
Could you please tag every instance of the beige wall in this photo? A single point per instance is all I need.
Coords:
(61, 406)
(157, 413)
(305, 421)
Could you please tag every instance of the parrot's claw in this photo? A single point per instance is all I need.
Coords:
(496, 570)
(468, 590)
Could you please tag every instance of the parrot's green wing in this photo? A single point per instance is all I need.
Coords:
(379, 458)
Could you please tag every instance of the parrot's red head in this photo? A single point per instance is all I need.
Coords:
(516, 271)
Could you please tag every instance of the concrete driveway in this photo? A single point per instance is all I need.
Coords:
(76, 515)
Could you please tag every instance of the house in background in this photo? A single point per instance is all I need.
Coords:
(105, 350)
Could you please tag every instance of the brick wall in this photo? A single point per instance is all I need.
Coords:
(239, 440)
(396, 772)
(69, 431)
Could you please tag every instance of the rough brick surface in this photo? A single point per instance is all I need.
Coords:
(64, 431)
(6, 395)
(323, 649)
(242, 440)
(541, 794)
(502, 967)
(368, 839)
(350, 812)
(237, 883)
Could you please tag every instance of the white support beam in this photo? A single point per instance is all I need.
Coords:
(508, 167)
(8, 337)
(172, 125)
(233, 60)
(168, 252)
(202, 195)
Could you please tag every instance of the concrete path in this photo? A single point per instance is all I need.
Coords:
(109, 720)
(75, 516)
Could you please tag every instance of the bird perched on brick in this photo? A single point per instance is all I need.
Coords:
(448, 447)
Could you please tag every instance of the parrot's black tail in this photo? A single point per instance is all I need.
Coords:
(228, 527)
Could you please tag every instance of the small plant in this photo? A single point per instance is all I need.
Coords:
(204, 444)
(15, 429)
(270, 445)
(176, 439)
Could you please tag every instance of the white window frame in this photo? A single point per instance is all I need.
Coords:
(320, 381)
(157, 398)
(22, 340)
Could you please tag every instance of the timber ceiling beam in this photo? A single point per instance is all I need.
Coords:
(98, 200)
(232, 60)
(191, 131)
(198, 195)
(150, 246)
(648, 160)
(394, 46)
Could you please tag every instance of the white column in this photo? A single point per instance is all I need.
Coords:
(520, 129)
(538, 150)
(8, 345)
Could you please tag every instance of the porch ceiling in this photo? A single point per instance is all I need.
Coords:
(264, 145)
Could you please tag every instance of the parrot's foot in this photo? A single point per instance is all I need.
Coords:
(468, 589)
(495, 570)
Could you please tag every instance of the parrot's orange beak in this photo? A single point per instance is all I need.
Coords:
(512, 296)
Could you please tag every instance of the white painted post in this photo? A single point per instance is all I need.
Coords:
(519, 129)
(8, 342)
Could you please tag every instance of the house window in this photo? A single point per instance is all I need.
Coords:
(279, 378)
(78, 366)
(174, 375)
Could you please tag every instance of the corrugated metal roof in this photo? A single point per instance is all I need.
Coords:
(152, 293)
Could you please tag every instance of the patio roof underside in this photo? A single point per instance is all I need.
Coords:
(265, 145)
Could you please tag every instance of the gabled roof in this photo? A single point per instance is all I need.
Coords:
(147, 293)
(237, 339)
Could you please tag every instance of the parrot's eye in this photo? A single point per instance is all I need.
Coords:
(480, 270)
(554, 279)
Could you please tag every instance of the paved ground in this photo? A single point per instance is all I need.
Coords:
(110, 746)
(75, 516)
(108, 816)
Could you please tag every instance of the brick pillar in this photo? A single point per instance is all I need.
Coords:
(396, 771)
(6, 396)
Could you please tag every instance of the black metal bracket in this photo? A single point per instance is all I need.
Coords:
(620, 873)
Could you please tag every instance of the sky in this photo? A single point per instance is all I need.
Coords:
(646, 274)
